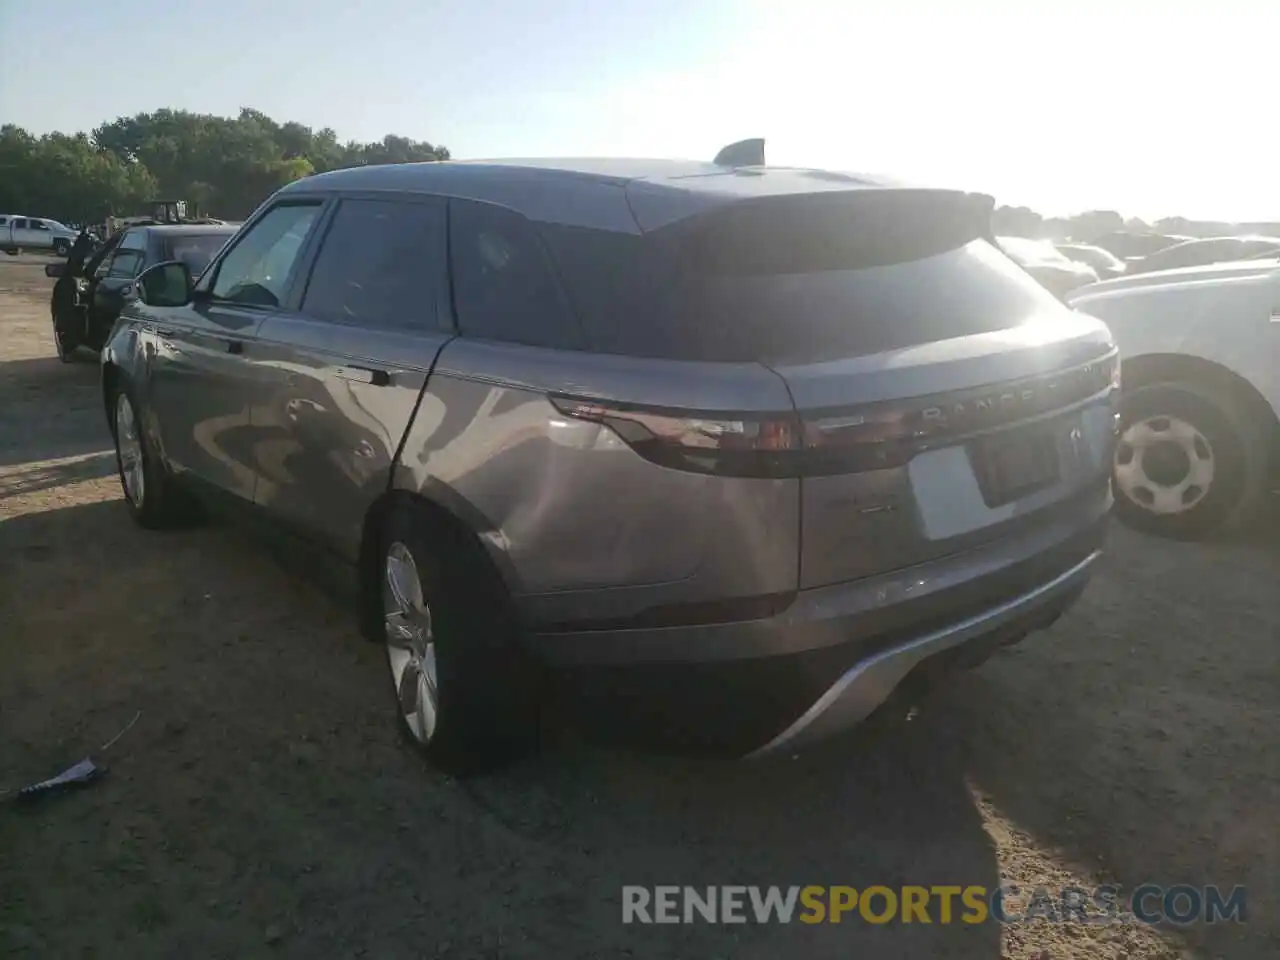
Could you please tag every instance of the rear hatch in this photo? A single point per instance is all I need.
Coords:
(941, 397)
(945, 398)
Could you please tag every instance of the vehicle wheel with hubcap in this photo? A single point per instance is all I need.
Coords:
(1188, 462)
(148, 491)
(464, 688)
(61, 247)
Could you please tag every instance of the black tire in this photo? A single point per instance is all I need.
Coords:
(64, 342)
(1236, 445)
(61, 248)
(159, 504)
(488, 691)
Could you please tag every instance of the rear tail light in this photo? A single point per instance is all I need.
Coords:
(874, 437)
(858, 441)
(733, 445)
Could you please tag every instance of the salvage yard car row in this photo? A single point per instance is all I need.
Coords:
(673, 440)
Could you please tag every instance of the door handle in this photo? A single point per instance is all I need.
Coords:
(379, 378)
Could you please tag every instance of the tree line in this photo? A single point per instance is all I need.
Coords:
(222, 166)
(226, 166)
(1025, 222)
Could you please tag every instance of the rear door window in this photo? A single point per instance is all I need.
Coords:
(382, 264)
(504, 286)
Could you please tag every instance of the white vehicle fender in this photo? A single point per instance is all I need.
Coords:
(1232, 323)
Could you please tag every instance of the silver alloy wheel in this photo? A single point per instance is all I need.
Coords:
(411, 648)
(1164, 465)
(129, 448)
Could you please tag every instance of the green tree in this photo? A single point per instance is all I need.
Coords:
(224, 166)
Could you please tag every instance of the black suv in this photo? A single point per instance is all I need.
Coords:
(106, 280)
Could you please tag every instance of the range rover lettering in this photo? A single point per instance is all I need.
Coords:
(729, 449)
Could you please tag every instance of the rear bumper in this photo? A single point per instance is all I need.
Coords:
(864, 614)
(836, 653)
(868, 683)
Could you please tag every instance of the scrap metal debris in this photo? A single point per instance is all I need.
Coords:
(86, 771)
(82, 772)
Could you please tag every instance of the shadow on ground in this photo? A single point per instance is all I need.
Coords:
(264, 792)
(1139, 736)
(43, 476)
(51, 410)
(264, 797)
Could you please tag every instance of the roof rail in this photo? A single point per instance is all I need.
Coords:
(744, 153)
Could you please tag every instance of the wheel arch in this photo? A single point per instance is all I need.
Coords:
(456, 517)
(1150, 368)
(111, 378)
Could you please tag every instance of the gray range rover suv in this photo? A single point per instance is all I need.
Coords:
(732, 450)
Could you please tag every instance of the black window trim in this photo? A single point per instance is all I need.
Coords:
(324, 203)
(444, 324)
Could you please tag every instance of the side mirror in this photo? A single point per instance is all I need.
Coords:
(165, 285)
(55, 269)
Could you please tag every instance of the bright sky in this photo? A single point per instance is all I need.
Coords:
(1151, 108)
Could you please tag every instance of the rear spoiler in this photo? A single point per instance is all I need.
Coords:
(750, 153)
(829, 229)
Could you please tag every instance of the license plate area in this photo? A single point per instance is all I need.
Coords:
(1014, 464)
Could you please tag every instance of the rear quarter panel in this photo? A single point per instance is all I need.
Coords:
(585, 527)
(1227, 321)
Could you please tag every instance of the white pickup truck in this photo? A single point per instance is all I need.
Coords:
(34, 233)
(1199, 448)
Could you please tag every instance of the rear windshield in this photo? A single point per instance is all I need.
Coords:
(194, 249)
(770, 295)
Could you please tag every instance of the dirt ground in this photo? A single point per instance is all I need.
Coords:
(263, 803)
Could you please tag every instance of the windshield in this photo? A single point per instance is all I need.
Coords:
(195, 250)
